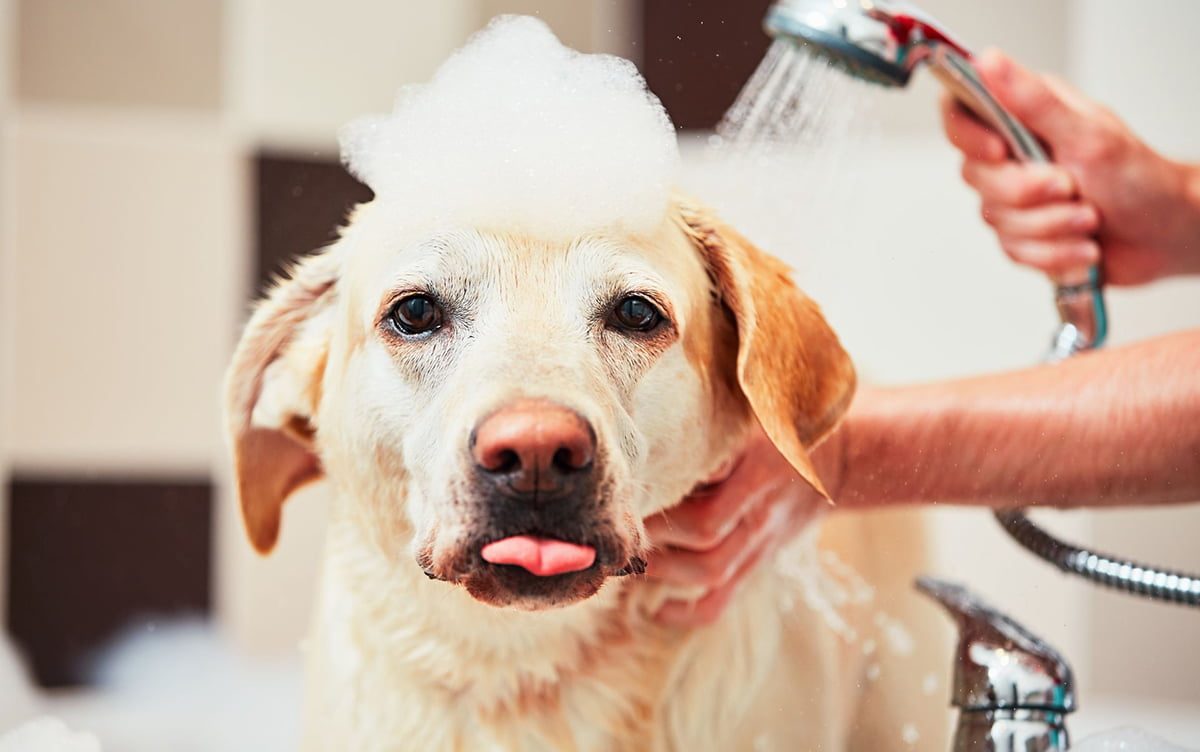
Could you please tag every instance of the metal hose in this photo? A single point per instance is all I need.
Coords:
(1110, 571)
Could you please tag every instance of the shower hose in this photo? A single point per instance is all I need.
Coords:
(1110, 571)
(1103, 569)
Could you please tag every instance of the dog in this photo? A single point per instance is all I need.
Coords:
(497, 414)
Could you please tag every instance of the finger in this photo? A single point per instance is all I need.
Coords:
(969, 135)
(1066, 220)
(709, 608)
(1015, 184)
(701, 522)
(698, 523)
(680, 566)
(770, 517)
(1028, 96)
(1053, 257)
(1070, 95)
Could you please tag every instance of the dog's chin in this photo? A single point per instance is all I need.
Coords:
(506, 586)
(510, 586)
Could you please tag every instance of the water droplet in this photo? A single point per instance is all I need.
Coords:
(930, 684)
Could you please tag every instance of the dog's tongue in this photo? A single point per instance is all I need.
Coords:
(541, 556)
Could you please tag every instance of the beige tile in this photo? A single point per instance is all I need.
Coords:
(1141, 648)
(586, 25)
(265, 603)
(120, 52)
(128, 261)
(306, 67)
(295, 82)
(1142, 64)
(8, 36)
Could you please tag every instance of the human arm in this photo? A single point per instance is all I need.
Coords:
(1112, 427)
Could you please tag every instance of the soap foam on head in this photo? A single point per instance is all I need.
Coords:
(517, 132)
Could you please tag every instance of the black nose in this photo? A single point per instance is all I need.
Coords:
(534, 447)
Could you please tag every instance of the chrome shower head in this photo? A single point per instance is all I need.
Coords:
(877, 41)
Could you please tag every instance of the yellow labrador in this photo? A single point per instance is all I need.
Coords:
(497, 414)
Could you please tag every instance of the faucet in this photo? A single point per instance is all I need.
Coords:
(1013, 690)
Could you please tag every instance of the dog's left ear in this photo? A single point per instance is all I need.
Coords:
(272, 390)
(790, 365)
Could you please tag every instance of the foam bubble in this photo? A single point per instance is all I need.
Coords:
(899, 639)
(17, 701)
(1125, 740)
(516, 131)
(929, 685)
(47, 735)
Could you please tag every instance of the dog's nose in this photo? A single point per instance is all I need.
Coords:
(534, 445)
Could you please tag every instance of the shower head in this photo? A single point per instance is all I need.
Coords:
(874, 40)
(883, 42)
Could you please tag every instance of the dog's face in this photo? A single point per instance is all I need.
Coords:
(504, 411)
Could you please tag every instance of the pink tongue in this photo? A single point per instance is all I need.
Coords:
(541, 556)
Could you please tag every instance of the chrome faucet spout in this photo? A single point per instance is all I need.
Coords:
(1013, 690)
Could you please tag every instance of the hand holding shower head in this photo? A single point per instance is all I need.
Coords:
(883, 42)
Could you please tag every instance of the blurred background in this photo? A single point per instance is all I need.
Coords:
(160, 159)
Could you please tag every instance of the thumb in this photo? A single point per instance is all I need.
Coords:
(1029, 97)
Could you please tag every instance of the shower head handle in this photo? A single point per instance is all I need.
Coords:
(1078, 293)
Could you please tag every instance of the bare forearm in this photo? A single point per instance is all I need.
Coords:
(1113, 427)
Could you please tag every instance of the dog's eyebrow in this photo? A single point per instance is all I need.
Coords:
(437, 253)
(442, 245)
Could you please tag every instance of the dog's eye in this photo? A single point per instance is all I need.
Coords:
(416, 314)
(635, 313)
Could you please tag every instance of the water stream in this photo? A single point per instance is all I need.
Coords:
(781, 151)
(795, 99)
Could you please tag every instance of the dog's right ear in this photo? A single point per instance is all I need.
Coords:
(272, 390)
(791, 367)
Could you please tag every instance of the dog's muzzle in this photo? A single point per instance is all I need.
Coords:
(544, 534)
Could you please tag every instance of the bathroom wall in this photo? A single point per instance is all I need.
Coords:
(1135, 64)
(128, 213)
(7, 325)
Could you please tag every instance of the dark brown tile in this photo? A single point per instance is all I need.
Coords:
(301, 203)
(698, 54)
(88, 558)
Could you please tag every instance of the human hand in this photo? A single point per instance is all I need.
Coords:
(715, 536)
(1108, 198)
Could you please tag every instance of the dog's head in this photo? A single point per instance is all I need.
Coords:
(503, 411)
